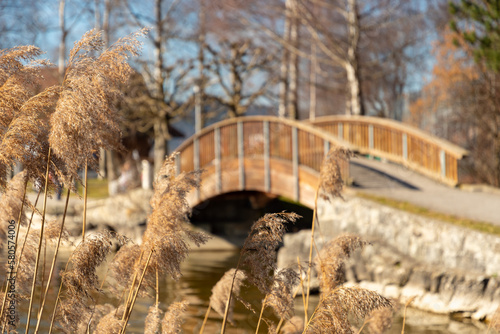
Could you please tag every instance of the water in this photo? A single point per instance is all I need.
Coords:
(203, 269)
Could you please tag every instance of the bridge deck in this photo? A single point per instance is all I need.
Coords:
(399, 183)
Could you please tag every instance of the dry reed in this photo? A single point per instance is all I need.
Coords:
(293, 326)
(259, 250)
(331, 183)
(380, 320)
(111, 323)
(330, 262)
(152, 323)
(85, 119)
(280, 299)
(220, 292)
(340, 306)
(168, 228)
(11, 203)
(173, 319)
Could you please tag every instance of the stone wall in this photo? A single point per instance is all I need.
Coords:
(448, 268)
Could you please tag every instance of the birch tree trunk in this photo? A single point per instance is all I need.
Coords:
(161, 132)
(62, 42)
(283, 85)
(293, 70)
(351, 65)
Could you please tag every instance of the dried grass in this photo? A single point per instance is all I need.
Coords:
(121, 267)
(152, 323)
(168, 228)
(280, 299)
(380, 320)
(220, 292)
(330, 262)
(259, 249)
(331, 183)
(173, 319)
(10, 205)
(111, 323)
(293, 326)
(85, 119)
(340, 306)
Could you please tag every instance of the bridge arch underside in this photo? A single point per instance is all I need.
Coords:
(250, 174)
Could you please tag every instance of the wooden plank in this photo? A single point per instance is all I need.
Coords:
(267, 155)
(217, 162)
(241, 155)
(295, 162)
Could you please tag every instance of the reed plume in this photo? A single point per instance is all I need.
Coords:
(330, 262)
(173, 319)
(99, 312)
(120, 267)
(111, 323)
(53, 229)
(495, 321)
(152, 324)
(82, 279)
(85, 119)
(380, 320)
(280, 299)
(340, 306)
(259, 249)
(26, 261)
(11, 203)
(331, 183)
(19, 72)
(220, 292)
(293, 326)
(168, 228)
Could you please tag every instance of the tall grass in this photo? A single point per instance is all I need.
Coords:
(61, 130)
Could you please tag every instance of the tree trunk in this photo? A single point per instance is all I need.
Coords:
(161, 133)
(161, 143)
(293, 112)
(351, 67)
(62, 42)
(283, 86)
(312, 83)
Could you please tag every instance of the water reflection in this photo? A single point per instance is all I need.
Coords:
(203, 269)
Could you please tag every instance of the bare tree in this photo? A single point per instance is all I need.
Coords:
(241, 70)
(166, 83)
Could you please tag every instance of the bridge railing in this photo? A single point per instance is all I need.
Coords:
(398, 143)
(228, 144)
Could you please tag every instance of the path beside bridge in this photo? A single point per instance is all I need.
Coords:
(399, 183)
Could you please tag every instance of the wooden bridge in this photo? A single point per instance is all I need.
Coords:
(283, 157)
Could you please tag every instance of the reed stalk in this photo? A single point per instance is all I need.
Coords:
(226, 311)
(136, 292)
(260, 316)
(209, 308)
(130, 293)
(15, 249)
(85, 200)
(54, 258)
(315, 213)
(39, 244)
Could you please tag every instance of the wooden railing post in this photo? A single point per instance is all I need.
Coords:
(295, 162)
(196, 161)
(405, 147)
(218, 170)
(442, 163)
(267, 156)
(241, 155)
(341, 131)
(370, 136)
(178, 164)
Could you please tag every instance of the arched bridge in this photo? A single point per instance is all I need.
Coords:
(283, 157)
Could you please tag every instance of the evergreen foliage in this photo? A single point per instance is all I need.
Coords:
(478, 23)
